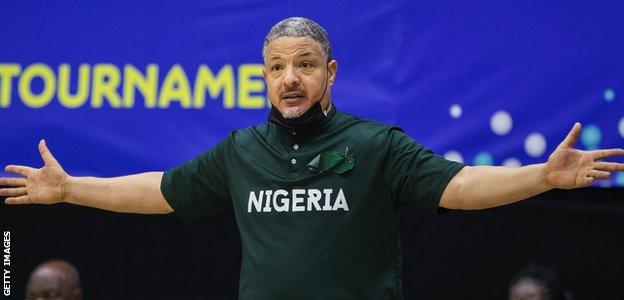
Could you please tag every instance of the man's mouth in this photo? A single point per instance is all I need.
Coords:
(293, 95)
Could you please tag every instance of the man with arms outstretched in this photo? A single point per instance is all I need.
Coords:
(316, 192)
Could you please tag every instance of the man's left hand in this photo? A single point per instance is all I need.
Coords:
(569, 168)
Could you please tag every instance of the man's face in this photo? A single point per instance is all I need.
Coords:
(295, 71)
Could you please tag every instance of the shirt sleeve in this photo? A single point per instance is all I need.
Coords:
(199, 187)
(416, 174)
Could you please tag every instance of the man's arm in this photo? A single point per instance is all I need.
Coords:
(139, 193)
(482, 187)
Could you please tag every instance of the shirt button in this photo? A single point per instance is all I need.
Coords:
(294, 133)
(293, 161)
(295, 146)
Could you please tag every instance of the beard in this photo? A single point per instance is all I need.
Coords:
(294, 112)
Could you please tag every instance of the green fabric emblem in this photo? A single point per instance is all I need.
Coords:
(332, 161)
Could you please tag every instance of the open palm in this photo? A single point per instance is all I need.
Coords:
(45, 185)
(569, 168)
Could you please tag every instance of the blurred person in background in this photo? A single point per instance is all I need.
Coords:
(537, 281)
(54, 279)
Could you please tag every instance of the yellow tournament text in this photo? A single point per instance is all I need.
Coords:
(123, 87)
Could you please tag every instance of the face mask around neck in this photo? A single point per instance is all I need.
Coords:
(308, 120)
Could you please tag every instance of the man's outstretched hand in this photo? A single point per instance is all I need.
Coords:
(569, 168)
(46, 185)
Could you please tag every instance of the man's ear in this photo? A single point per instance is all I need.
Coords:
(332, 69)
(264, 74)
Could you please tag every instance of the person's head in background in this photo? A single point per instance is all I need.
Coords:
(536, 281)
(54, 279)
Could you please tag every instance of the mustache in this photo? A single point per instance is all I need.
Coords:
(293, 93)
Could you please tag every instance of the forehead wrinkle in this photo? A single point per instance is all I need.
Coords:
(302, 48)
(289, 50)
(305, 54)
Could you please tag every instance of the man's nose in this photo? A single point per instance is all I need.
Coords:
(291, 78)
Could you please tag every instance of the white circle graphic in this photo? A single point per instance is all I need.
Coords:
(535, 144)
(455, 111)
(501, 122)
(512, 162)
(454, 156)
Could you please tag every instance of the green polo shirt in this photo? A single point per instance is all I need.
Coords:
(308, 234)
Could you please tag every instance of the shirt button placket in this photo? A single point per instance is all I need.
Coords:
(293, 169)
(293, 161)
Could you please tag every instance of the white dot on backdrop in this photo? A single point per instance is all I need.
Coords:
(609, 95)
(455, 111)
(621, 127)
(535, 144)
(454, 156)
(501, 122)
(512, 162)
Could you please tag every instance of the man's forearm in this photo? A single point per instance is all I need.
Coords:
(139, 193)
(482, 187)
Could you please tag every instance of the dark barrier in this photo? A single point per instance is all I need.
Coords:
(456, 255)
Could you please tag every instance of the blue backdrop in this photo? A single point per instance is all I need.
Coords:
(121, 87)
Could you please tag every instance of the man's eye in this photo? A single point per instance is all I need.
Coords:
(276, 68)
(305, 65)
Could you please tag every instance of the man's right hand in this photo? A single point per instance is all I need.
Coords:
(46, 185)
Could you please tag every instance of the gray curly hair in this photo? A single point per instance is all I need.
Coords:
(299, 27)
